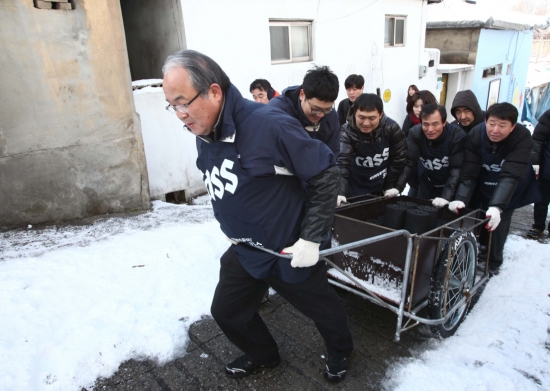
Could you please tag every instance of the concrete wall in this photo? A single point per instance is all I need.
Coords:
(457, 46)
(503, 47)
(348, 36)
(154, 30)
(70, 140)
(171, 150)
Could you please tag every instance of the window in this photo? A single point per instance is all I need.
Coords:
(394, 31)
(492, 71)
(290, 41)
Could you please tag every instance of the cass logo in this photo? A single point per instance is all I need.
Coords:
(374, 161)
(435, 164)
(493, 167)
(213, 180)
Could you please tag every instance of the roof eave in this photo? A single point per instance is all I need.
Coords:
(489, 24)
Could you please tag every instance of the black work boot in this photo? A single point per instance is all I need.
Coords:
(534, 233)
(336, 368)
(243, 366)
(482, 254)
(494, 269)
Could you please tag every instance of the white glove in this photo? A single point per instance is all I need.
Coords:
(340, 199)
(494, 214)
(536, 168)
(439, 202)
(231, 240)
(455, 206)
(390, 193)
(304, 253)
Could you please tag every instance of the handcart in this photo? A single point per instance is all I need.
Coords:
(406, 272)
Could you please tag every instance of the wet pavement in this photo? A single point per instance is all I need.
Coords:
(301, 347)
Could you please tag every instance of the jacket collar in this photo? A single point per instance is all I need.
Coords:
(224, 130)
(293, 93)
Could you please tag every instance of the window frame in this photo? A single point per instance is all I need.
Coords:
(290, 24)
(394, 18)
(492, 72)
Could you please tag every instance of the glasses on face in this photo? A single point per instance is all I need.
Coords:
(319, 111)
(181, 108)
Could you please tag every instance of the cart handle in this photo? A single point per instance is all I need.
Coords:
(359, 243)
(343, 247)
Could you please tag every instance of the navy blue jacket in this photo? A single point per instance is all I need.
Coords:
(267, 157)
(329, 126)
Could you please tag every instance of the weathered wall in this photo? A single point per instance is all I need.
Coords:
(70, 140)
(154, 30)
(457, 46)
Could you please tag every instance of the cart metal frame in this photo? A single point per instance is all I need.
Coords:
(409, 272)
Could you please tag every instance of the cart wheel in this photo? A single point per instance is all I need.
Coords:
(461, 281)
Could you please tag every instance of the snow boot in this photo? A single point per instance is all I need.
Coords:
(243, 366)
(534, 233)
(336, 369)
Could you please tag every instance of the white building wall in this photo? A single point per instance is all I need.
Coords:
(348, 36)
(170, 150)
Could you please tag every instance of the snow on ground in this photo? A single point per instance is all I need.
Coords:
(504, 343)
(77, 301)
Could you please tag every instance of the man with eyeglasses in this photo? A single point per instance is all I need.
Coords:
(312, 103)
(255, 161)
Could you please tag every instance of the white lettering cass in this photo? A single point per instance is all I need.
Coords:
(213, 180)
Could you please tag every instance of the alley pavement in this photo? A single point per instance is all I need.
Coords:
(301, 348)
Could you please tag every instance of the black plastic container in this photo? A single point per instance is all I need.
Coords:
(433, 212)
(394, 216)
(417, 221)
(408, 204)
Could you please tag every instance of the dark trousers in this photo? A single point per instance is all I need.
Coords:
(541, 208)
(499, 238)
(238, 296)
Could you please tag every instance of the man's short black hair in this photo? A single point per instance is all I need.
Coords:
(430, 109)
(354, 81)
(504, 111)
(321, 83)
(261, 84)
(369, 102)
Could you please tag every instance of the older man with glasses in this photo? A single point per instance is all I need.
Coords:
(255, 161)
(312, 103)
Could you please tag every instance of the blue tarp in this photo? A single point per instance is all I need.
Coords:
(536, 103)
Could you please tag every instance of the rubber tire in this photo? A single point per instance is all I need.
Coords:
(465, 253)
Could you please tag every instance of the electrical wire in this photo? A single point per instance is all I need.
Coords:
(345, 16)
